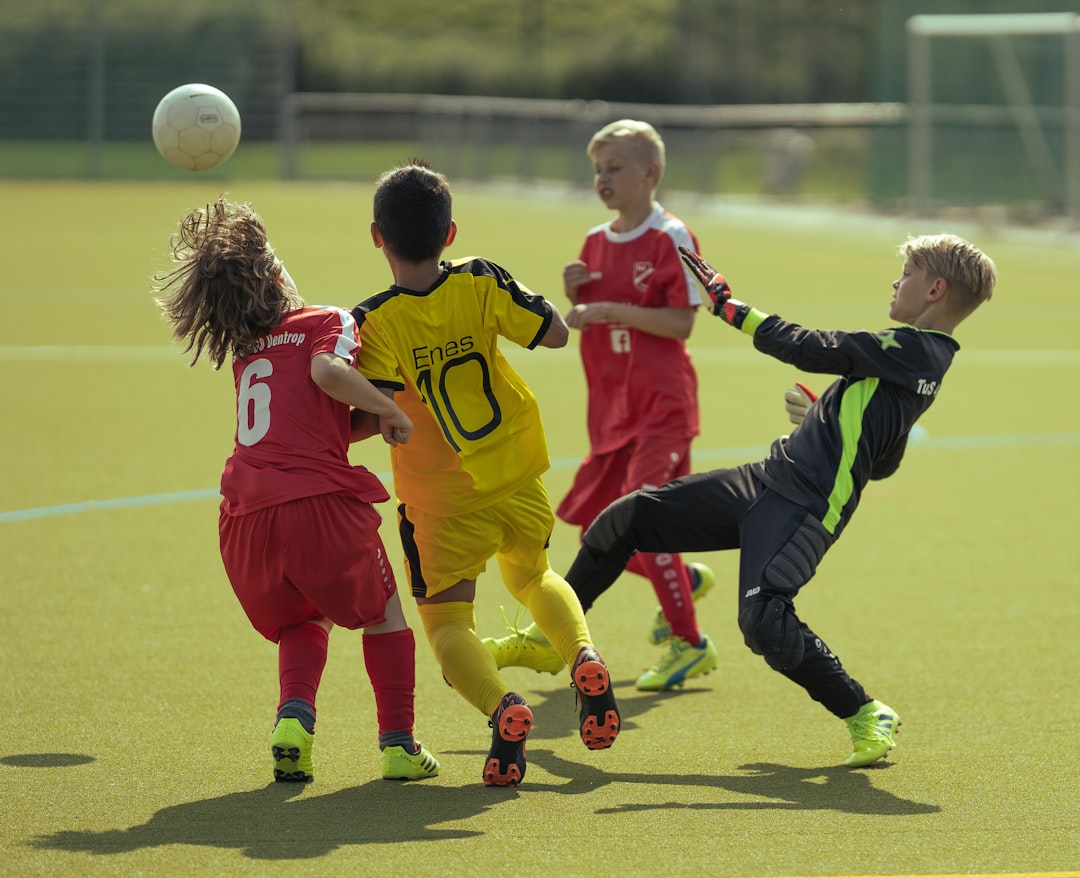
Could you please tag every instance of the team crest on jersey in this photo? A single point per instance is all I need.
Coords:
(642, 272)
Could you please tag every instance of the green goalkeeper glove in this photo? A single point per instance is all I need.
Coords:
(731, 311)
(797, 402)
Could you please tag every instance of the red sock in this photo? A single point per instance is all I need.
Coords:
(671, 582)
(301, 660)
(390, 660)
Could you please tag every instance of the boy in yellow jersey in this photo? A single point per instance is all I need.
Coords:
(469, 481)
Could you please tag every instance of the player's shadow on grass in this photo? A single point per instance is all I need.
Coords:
(555, 712)
(278, 823)
(46, 760)
(832, 788)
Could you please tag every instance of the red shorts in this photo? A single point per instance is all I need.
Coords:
(308, 558)
(604, 478)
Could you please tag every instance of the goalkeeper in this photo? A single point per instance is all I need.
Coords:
(786, 511)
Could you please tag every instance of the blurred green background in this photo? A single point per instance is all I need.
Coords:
(790, 99)
(139, 702)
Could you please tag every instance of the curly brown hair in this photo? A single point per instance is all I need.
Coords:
(230, 289)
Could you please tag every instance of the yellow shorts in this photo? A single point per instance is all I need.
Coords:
(441, 551)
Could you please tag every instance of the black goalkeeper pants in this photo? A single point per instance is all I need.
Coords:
(713, 511)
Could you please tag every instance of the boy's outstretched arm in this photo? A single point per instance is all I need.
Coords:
(724, 305)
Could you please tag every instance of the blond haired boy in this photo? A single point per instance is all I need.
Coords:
(634, 303)
(785, 512)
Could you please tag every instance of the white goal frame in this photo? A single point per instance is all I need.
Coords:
(922, 28)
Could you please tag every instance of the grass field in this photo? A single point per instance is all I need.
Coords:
(138, 701)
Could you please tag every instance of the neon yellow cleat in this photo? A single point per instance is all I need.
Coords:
(681, 662)
(399, 764)
(701, 580)
(523, 648)
(290, 745)
(872, 730)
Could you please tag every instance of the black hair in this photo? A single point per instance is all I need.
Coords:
(413, 211)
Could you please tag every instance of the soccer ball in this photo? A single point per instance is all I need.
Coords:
(196, 127)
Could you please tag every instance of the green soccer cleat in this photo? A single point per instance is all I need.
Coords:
(681, 662)
(702, 580)
(290, 745)
(399, 764)
(522, 648)
(872, 730)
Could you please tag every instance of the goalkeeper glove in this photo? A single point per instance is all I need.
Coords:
(797, 402)
(731, 311)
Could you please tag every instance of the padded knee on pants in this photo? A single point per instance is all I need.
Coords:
(797, 561)
(772, 630)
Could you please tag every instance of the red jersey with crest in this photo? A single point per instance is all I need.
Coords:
(638, 383)
(292, 440)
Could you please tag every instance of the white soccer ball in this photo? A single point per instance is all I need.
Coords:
(196, 127)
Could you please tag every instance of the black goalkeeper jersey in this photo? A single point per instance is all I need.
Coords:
(858, 429)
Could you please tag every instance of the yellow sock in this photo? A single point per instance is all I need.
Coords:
(465, 662)
(556, 611)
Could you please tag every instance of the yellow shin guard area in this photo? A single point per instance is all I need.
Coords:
(557, 611)
(465, 662)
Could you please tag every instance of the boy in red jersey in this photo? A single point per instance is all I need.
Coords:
(469, 483)
(634, 303)
(298, 531)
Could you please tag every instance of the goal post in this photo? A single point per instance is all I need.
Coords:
(1058, 178)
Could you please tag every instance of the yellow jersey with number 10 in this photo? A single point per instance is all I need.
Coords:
(477, 434)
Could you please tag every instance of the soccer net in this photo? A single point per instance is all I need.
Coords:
(994, 104)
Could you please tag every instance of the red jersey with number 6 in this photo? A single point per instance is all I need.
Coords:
(292, 440)
(639, 384)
